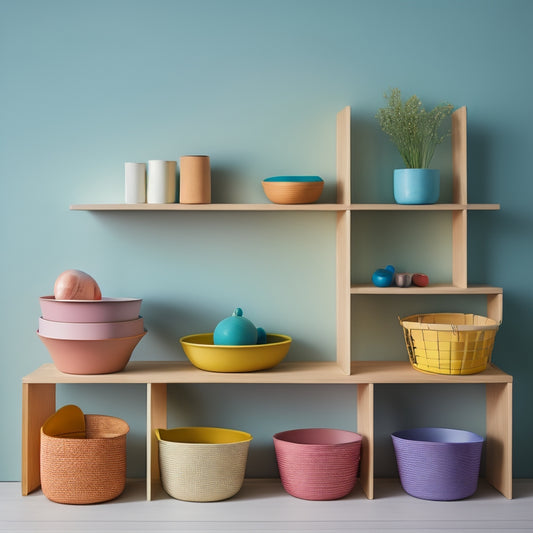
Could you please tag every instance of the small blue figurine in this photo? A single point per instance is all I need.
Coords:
(383, 277)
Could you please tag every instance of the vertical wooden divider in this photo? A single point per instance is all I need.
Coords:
(365, 427)
(459, 218)
(343, 275)
(343, 292)
(343, 156)
(156, 417)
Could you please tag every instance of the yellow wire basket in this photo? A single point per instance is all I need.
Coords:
(449, 343)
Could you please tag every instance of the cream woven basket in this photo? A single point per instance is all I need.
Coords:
(202, 464)
(83, 457)
(449, 343)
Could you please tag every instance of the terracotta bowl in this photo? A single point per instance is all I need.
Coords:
(104, 310)
(90, 331)
(293, 189)
(91, 356)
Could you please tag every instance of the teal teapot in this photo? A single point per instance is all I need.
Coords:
(236, 330)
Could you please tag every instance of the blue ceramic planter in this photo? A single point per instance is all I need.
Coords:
(416, 185)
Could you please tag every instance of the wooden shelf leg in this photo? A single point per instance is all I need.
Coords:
(156, 417)
(365, 427)
(38, 403)
(499, 469)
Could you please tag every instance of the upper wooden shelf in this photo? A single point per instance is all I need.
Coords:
(207, 207)
(363, 372)
(281, 207)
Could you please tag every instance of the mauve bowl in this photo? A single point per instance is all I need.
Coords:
(90, 331)
(91, 357)
(104, 310)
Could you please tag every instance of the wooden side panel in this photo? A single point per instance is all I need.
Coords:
(365, 427)
(156, 417)
(38, 403)
(499, 467)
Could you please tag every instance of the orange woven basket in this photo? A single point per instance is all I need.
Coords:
(83, 457)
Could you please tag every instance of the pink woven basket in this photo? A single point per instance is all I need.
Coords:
(83, 460)
(318, 463)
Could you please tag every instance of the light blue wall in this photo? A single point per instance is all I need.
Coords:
(256, 85)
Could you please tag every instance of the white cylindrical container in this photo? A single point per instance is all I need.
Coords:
(135, 183)
(195, 179)
(161, 186)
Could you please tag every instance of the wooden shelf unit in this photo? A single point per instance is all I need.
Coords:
(39, 387)
(39, 392)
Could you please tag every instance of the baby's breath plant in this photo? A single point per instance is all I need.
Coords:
(414, 131)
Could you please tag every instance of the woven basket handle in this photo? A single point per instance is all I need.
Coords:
(68, 421)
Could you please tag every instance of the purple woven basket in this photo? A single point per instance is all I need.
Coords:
(438, 463)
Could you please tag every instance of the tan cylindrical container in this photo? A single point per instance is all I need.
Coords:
(195, 179)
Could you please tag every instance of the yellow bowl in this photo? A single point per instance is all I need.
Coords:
(203, 354)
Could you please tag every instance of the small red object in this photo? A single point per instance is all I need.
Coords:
(420, 280)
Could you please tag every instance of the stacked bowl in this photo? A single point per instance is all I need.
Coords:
(90, 336)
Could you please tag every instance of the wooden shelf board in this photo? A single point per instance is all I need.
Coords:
(280, 207)
(363, 372)
(428, 207)
(435, 288)
(208, 207)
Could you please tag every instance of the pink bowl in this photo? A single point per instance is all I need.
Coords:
(104, 310)
(318, 463)
(91, 357)
(90, 330)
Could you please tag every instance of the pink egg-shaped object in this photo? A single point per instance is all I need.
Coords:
(90, 330)
(76, 285)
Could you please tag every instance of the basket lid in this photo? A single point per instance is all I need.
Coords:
(68, 421)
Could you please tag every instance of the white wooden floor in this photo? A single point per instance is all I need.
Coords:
(263, 506)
